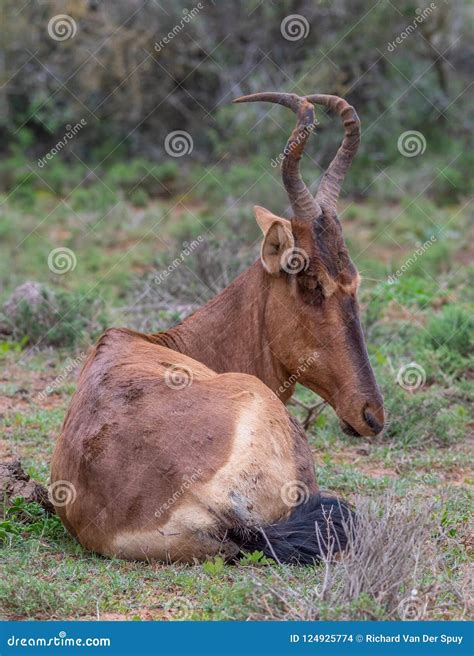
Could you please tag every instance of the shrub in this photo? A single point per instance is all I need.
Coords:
(386, 571)
(450, 339)
(62, 177)
(452, 329)
(185, 278)
(95, 198)
(154, 179)
(139, 197)
(48, 318)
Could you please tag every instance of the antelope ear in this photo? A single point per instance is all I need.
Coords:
(278, 240)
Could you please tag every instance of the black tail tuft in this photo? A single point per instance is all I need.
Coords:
(314, 530)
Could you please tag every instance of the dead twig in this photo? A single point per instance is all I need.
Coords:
(312, 411)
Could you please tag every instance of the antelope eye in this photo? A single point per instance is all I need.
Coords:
(311, 290)
(309, 282)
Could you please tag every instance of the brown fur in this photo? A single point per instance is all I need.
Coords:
(126, 456)
(271, 325)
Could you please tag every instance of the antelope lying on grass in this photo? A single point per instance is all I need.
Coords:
(176, 445)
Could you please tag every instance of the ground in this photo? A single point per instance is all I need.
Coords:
(418, 475)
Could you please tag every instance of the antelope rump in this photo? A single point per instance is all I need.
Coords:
(178, 446)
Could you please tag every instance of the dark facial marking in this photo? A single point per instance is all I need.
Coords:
(329, 241)
(355, 339)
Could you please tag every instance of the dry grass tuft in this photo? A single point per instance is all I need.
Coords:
(387, 572)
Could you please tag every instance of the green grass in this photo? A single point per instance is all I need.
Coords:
(119, 241)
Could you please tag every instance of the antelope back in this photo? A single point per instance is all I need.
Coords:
(166, 456)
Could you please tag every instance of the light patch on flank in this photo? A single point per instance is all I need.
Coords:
(181, 538)
(261, 460)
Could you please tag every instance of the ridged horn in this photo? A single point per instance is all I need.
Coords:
(304, 205)
(331, 182)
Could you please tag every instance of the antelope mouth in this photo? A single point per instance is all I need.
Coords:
(347, 429)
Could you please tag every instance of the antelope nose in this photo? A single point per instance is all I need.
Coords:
(374, 424)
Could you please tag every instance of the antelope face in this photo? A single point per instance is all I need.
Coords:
(312, 315)
(326, 291)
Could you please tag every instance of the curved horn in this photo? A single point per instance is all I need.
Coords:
(331, 182)
(302, 202)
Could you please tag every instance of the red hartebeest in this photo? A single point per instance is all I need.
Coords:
(176, 445)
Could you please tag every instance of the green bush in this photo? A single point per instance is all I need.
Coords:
(139, 197)
(255, 182)
(55, 319)
(154, 179)
(62, 177)
(96, 198)
(452, 329)
(454, 184)
(449, 342)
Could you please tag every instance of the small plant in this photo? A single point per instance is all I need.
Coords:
(255, 558)
(139, 197)
(449, 338)
(28, 520)
(214, 567)
(452, 329)
(12, 347)
(50, 318)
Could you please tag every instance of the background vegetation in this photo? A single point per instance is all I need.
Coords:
(153, 236)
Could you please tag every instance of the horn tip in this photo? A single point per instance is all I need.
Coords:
(240, 99)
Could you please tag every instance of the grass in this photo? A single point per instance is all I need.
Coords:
(417, 475)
